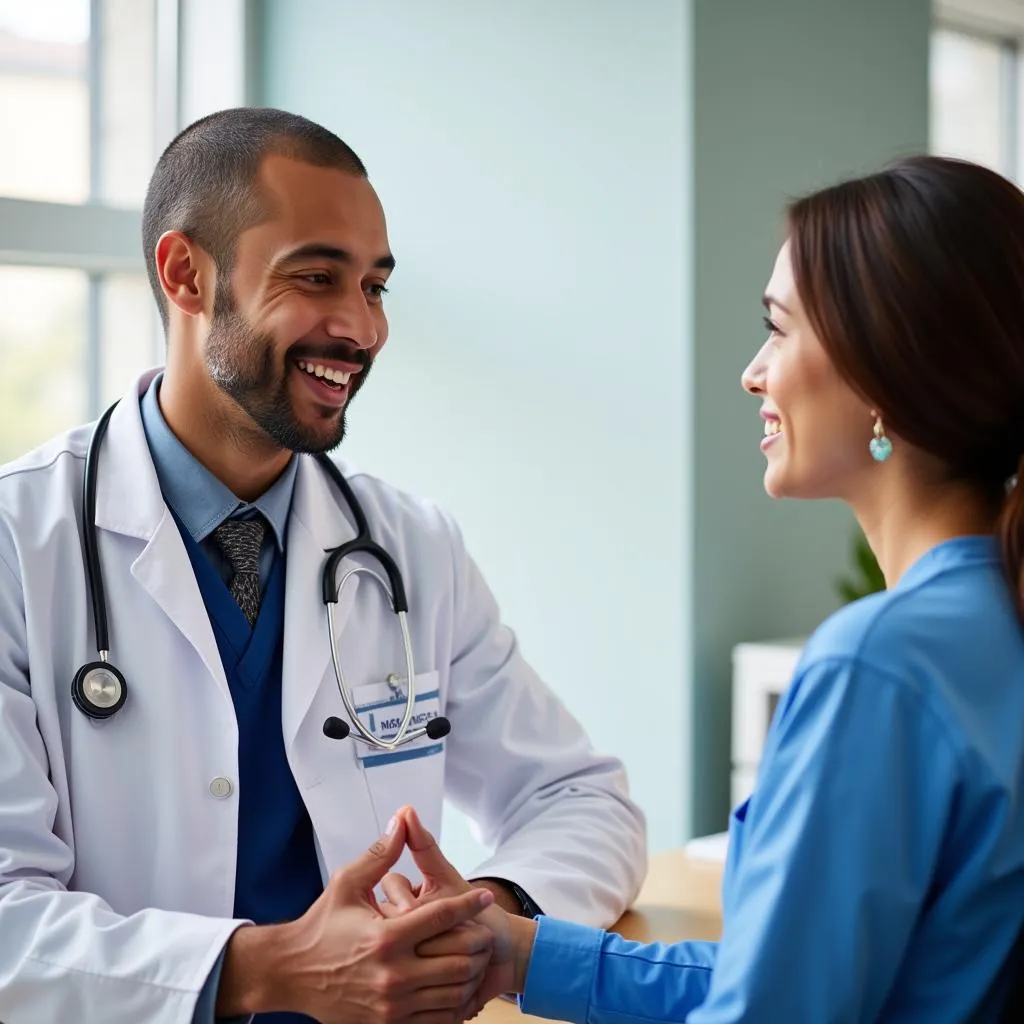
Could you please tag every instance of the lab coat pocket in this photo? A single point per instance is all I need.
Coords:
(412, 773)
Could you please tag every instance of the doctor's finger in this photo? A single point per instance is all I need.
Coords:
(448, 997)
(426, 853)
(466, 940)
(445, 972)
(399, 890)
(439, 916)
(366, 871)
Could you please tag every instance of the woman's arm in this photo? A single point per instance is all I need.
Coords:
(582, 974)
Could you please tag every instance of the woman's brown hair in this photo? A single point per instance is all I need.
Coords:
(913, 279)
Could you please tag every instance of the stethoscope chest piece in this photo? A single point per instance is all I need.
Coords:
(99, 690)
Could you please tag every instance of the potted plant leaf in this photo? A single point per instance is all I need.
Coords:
(866, 577)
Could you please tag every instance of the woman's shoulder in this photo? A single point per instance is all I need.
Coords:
(954, 597)
(862, 629)
(947, 638)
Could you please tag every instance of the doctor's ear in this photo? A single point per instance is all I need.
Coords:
(187, 273)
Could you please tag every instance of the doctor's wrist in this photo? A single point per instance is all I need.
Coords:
(504, 894)
(253, 977)
(511, 897)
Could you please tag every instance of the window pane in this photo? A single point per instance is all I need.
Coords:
(967, 98)
(42, 355)
(127, 100)
(128, 333)
(44, 99)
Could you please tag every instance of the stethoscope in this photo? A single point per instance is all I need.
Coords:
(99, 689)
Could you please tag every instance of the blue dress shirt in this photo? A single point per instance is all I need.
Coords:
(877, 871)
(201, 502)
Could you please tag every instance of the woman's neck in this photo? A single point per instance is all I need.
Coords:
(907, 522)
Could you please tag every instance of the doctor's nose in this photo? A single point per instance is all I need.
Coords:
(353, 319)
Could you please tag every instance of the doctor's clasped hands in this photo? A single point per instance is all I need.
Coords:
(350, 958)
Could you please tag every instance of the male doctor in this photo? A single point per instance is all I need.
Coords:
(200, 853)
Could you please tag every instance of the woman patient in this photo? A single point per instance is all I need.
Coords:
(877, 872)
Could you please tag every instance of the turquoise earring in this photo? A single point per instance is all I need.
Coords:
(880, 446)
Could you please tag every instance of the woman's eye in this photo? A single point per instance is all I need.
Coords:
(378, 291)
(771, 326)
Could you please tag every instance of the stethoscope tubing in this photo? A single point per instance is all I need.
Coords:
(346, 698)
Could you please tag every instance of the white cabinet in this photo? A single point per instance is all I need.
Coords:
(760, 674)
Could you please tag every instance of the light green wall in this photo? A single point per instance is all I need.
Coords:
(789, 95)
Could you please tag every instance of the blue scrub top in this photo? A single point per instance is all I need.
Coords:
(877, 872)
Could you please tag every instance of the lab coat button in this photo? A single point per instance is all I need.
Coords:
(221, 788)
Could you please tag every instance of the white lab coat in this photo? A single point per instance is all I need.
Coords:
(117, 862)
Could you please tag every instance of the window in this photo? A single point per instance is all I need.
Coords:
(43, 84)
(78, 102)
(971, 102)
(42, 352)
(975, 82)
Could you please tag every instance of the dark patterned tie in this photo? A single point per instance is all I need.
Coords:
(240, 540)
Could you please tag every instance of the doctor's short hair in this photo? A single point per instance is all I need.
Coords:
(913, 279)
(205, 182)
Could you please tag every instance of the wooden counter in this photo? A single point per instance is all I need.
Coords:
(679, 900)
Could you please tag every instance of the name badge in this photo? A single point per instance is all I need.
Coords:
(381, 707)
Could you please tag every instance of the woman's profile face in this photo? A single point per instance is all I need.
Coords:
(816, 428)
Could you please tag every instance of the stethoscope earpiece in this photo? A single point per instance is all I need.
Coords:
(335, 728)
(438, 728)
(99, 690)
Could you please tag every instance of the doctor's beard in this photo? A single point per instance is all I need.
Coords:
(241, 363)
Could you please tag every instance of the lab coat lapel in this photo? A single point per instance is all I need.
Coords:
(129, 502)
(318, 522)
(165, 571)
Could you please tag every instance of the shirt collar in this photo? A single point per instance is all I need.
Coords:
(955, 553)
(193, 493)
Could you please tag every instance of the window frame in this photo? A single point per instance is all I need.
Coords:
(1001, 22)
(1002, 18)
(101, 239)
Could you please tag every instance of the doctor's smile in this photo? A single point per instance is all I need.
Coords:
(332, 382)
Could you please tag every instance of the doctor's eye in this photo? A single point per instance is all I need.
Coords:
(317, 277)
(377, 291)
